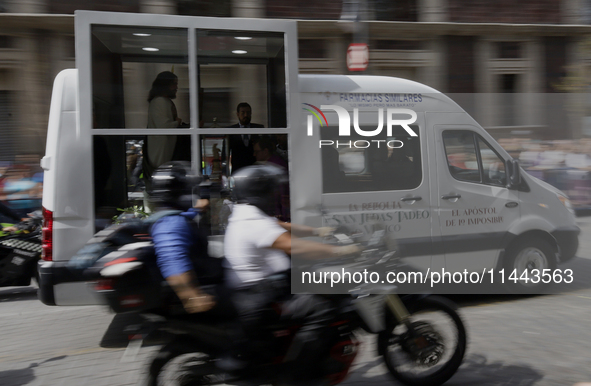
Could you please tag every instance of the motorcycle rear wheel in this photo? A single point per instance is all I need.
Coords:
(179, 364)
(434, 356)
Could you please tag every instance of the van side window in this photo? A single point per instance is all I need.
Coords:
(471, 159)
(362, 164)
(493, 166)
(140, 77)
(120, 164)
(241, 66)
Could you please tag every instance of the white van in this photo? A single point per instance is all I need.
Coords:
(451, 195)
(361, 148)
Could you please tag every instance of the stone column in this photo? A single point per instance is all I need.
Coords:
(34, 91)
(574, 12)
(577, 104)
(433, 11)
(486, 108)
(533, 85)
(248, 8)
(26, 6)
(165, 7)
(433, 73)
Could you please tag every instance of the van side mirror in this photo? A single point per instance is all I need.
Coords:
(514, 173)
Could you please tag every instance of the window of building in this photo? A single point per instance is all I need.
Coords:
(509, 50)
(312, 49)
(8, 146)
(70, 6)
(401, 10)
(407, 45)
(6, 41)
(69, 47)
(213, 8)
(508, 87)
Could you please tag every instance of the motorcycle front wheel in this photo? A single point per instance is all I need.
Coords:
(431, 353)
(178, 364)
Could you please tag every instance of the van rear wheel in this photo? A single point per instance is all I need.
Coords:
(525, 265)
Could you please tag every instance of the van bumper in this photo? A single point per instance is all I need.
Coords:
(567, 239)
(52, 273)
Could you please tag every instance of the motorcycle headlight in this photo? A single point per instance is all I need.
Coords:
(566, 202)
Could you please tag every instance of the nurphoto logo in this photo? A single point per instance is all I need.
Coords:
(345, 125)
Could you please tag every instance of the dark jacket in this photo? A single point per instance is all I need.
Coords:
(242, 155)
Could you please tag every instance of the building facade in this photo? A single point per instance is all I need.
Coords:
(505, 62)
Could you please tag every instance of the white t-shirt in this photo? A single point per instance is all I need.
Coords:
(247, 247)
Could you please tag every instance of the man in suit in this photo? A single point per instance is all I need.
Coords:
(241, 146)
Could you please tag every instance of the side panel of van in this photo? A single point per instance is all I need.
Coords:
(366, 183)
(389, 193)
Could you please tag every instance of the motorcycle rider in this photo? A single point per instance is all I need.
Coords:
(257, 250)
(181, 246)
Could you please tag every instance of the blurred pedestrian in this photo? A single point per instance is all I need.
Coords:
(264, 152)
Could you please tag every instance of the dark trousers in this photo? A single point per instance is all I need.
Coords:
(313, 312)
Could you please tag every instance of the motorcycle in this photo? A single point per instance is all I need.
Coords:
(20, 250)
(421, 339)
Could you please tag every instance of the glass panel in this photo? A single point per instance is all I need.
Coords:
(222, 155)
(120, 170)
(493, 166)
(140, 77)
(225, 154)
(241, 67)
(461, 155)
(358, 165)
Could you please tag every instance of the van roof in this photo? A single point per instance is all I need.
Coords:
(361, 83)
(342, 87)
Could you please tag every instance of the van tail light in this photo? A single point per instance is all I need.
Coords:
(104, 285)
(47, 237)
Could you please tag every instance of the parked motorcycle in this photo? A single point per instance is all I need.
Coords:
(20, 250)
(421, 339)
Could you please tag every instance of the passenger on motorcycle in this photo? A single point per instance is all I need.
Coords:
(181, 246)
(257, 249)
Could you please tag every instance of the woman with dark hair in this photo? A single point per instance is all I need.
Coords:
(162, 111)
(162, 114)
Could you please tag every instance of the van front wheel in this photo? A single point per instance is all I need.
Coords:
(525, 265)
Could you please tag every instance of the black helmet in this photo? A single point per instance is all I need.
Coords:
(257, 185)
(174, 185)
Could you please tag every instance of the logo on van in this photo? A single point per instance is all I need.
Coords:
(345, 120)
(316, 115)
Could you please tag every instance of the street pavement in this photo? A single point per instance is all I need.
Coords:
(513, 341)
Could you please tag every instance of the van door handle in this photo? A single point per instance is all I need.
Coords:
(451, 196)
(417, 198)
